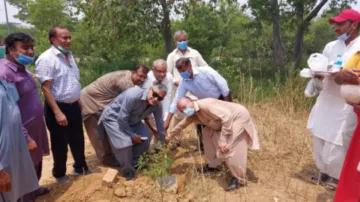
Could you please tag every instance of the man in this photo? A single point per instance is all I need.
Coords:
(182, 50)
(60, 83)
(203, 82)
(2, 48)
(17, 174)
(122, 121)
(227, 134)
(19, 53)
(331, 120)
(96, 96)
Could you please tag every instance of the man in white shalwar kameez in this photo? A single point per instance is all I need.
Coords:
(332, 121)
(17, 173)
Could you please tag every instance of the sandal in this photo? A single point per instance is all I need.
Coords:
(332, 184)
(322, 178)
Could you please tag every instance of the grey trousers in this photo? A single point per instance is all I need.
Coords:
(128, 157)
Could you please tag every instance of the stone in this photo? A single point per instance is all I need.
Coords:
(168, 183)
(120, 192)
(110, 177)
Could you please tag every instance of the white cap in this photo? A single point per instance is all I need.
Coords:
(318, 62)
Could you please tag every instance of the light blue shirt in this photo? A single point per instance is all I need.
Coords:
(52, 66)
(207, 83)
(14, 154)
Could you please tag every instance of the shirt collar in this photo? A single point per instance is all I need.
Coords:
(144, 95)
(13, 66)
(188, 49)
(57, 51)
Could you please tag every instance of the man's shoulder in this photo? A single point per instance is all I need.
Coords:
(134, 92)
(333, 43)
(46, 54)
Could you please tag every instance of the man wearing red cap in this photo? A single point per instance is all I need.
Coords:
(348, 189)
(332, 121)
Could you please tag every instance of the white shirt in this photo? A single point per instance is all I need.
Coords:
(194, 56)
(207, 83)
(168, 82)
(331, 119)
(52, 65)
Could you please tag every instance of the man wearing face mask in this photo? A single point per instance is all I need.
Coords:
(19, 54)
(60, 83)
(332, 121)
(121, 121)
(2, 48)
(96, 96)
(203, 82)
(227, 134)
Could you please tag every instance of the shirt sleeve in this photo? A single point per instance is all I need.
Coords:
(44, 70)
(167, 100)
(200, 60)
(170, 64)
(221, 83)
(26, 134)
(179, 127)
(5, 144)
(128, 105)
(159, 123)
(181, 91)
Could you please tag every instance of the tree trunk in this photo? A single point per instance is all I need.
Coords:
(166, 27)
(277, 44)
(301, 31)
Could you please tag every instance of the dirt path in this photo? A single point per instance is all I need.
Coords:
(280, 171)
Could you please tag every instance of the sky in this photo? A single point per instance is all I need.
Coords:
(13, 11)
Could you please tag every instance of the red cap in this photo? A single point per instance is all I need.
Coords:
(347, 14)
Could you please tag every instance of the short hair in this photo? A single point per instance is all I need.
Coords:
(179, 33)
(10, 41)
(182, 62)
(52, 32)
(158, 61)
(143, 68)
(160, 86)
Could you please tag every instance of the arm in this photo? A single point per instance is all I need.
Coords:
(159, 123)
(151, 126)
(181, 91)
(200, 60)
(123, 120)
(182, 125)
(167, 100)
(170, 64)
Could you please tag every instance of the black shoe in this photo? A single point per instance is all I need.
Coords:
(331, 184)
(129, 175)
(322, 178)
(111, 163)
(233, 184)
(207, 169)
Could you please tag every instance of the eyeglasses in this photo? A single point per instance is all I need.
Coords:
(157, 96)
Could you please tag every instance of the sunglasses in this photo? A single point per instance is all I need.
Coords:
(157, 96)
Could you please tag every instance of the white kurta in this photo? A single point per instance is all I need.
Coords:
(331, 119)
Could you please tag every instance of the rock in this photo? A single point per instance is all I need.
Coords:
(110, 177)
(120, 192)
(168, 183)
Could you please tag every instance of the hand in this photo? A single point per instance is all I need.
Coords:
(5, 181)
(61, 119)
(223, 148)
(167, 139)
(32, 146)
(136, 139)
(349, 76)
(176, 83)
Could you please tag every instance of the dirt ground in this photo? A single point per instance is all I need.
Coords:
(279, 171)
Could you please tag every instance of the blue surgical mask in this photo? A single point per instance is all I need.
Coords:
(189, 111)
(185, 74)
(25, 60)
(182, 45)
(2, 51)
(345, 36)
(63, 50)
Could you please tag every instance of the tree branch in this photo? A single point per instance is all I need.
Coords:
(315, 11)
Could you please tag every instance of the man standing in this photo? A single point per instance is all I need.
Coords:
(228, 133)
(331, 120)
(203, 82)
(19, 53)
(60, 83)
(17, 174)
(96, 96)
(182, 50)
(122, 122)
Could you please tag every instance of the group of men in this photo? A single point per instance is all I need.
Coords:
(122, 112)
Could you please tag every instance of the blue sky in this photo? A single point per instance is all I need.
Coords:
(13, 11)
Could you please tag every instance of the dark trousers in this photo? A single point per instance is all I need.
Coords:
(199, 130)
(62, 136)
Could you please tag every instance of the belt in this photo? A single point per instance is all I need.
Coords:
(66, 103)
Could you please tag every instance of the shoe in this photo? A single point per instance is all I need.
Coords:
(234, 184)
(207, 169)
(129, 175)
(76, 173)
(62, 179)
(87, 172)
(331, 184)
(321, 178)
